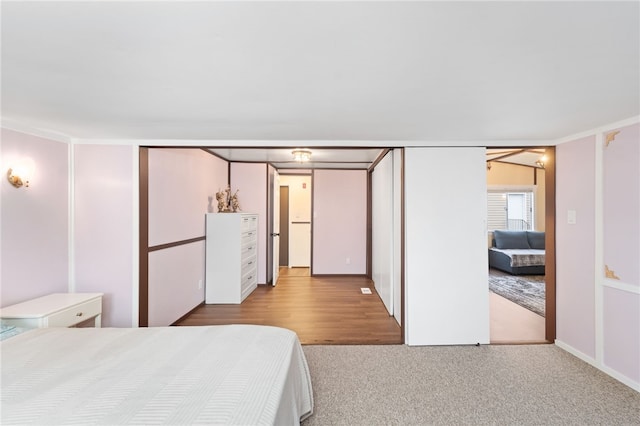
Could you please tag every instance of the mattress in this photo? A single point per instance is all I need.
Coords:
(232, 374)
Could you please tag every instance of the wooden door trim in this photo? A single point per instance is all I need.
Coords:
(143, 244)
(550, 244)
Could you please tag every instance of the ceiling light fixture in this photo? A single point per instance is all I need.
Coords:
(301, 155)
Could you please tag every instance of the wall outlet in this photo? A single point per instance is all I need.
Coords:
(199, 284)
(348, 261)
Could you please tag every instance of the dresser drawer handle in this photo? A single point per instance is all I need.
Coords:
(250, 263)
(79, 314)
(250, 233)
(249, 278)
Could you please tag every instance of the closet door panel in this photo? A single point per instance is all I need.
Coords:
(447, 295)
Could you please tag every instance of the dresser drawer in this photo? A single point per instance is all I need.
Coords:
(249, 223)
(248, 250)
(75, 314)
(249, 237)
(253, 223)
(249, 264)
(249, 279)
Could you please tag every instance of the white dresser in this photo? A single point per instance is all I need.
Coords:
(232, 257)
(54, 310)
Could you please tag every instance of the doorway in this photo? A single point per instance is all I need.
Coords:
(521, 198)
(295, 220)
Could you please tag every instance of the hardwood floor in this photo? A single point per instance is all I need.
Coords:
(513, 324)
(321, 310)
(332, 310)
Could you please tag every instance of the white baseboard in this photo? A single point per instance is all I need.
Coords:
(607, 370)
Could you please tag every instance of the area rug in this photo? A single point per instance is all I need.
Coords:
(525, 290)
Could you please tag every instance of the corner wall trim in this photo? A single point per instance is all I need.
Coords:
(589, 360)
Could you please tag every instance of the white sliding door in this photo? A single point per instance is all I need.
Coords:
(382, 236)
(446, 283)
(397, 234)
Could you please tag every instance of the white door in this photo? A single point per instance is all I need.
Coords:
(382, 236)
(275, 235)
(516, 211)
(446, 281)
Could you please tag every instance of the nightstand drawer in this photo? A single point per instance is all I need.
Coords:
(55, 310)
(75, 314)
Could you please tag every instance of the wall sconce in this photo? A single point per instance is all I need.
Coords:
(301, 155)
(540, 162)
(17, 178)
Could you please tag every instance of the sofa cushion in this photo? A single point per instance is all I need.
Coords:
(536, 239)
(511, 239)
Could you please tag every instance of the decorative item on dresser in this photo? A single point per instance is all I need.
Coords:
(231, 257)
(55, 310)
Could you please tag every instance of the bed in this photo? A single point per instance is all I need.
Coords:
(232, 374)
(518, 252)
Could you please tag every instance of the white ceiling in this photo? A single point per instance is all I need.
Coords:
(320, 73)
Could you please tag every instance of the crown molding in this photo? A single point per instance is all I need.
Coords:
(17, 126)
(601, 129)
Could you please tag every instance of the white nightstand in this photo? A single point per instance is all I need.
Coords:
(55, 310)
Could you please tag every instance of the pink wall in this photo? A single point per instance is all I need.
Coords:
(621, 204)
(621, 252)
(177, 275)
(339, 222)
(575, 245)
(181, 183)
(35, 240)
(104, 227)
(598, 316)
(621, 331)
(250, 179)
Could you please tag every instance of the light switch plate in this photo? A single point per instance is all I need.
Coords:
(571, 217)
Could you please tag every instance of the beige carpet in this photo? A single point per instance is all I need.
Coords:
(463, 385)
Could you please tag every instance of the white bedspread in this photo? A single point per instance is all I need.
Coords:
(236, 374)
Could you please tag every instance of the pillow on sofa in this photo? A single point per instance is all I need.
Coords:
(536, 239)
(511, 239)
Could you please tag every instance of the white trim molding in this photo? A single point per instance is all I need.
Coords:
(599, 130)
(71, 218)
(17, 126)
(135, 237)
(600, 366)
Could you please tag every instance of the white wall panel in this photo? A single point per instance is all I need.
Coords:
(446, 281)
(300, 245)
(397, 232)
(382, 236)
